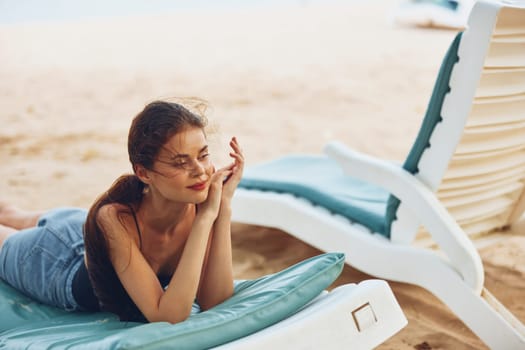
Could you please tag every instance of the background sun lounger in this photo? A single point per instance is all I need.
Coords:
(463, 180)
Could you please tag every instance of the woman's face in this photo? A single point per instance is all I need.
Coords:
(183, 168)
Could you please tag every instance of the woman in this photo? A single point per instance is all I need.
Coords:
(151, 246)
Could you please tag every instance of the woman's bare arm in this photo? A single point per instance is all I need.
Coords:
(217, 279)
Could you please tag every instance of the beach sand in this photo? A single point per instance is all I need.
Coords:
(283, 80)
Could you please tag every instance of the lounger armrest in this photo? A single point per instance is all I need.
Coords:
(429, 210)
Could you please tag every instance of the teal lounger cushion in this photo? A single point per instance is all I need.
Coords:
(322, 181)
(432, 118)
(256, 304)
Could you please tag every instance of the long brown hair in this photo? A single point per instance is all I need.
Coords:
(149, 131)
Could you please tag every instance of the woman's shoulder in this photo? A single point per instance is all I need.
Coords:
(109, 211)
(113, 209)
(112, 213)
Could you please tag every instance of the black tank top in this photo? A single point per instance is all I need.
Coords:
(83, 290)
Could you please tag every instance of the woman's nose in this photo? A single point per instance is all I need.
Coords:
(198, 168)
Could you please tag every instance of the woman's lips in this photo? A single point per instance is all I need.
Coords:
(198, 187)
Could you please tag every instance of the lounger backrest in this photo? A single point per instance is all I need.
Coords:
(471, 146)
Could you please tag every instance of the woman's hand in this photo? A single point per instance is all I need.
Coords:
(236, 168)
(212, 203)
(223, 183)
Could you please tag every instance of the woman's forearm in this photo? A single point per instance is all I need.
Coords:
(176, 302)
(217, 279)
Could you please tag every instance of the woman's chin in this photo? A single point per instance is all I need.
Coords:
(199, 201)
(201, 197)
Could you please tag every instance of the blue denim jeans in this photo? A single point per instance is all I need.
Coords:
(41, 261)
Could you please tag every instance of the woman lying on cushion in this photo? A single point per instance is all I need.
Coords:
(156, 242)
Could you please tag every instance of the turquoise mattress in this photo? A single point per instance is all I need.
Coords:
(256, 304)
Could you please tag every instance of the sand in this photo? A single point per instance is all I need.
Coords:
(283, 80)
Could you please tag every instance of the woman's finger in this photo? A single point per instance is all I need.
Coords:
(235, 145)
(238, 158)
(227, 167)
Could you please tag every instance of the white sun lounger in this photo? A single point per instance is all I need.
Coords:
(463, 179)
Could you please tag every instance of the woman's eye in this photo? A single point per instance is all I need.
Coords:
(180, 164)
(204, 156)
